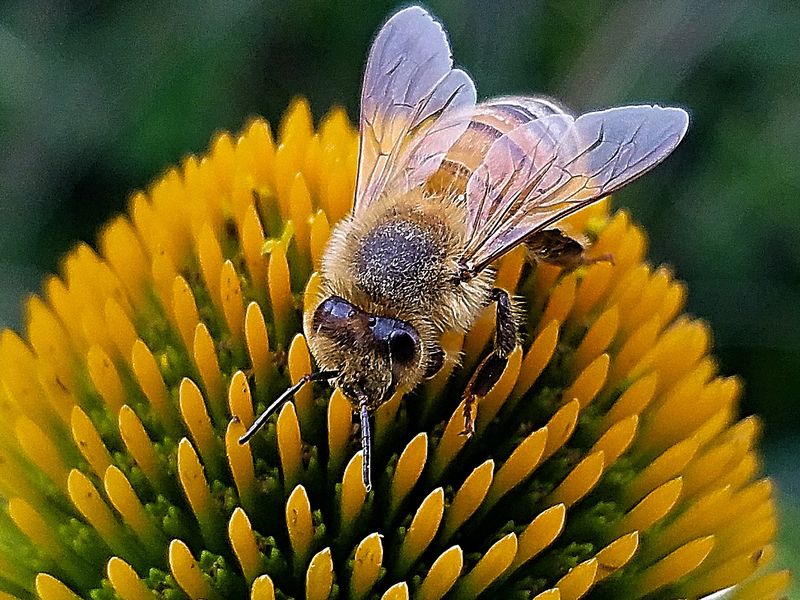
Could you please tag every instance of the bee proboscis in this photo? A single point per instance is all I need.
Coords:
(445, 187)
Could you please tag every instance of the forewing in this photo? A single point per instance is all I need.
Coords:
(414, 106)
(546, 169)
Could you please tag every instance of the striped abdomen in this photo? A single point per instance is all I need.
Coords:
(491, 120)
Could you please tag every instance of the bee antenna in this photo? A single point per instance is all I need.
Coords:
(284, 397)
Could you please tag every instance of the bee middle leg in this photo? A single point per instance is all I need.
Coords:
(490, 369)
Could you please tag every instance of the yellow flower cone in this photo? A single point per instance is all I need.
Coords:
(609, 461)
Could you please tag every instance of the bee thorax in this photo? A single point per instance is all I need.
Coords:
(399, 262)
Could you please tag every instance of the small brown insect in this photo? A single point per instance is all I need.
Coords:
(446, 187)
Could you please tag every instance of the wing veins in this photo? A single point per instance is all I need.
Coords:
(620, 148)
(410, 87)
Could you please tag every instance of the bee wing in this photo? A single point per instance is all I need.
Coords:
(521, 109)
(489, 121)
(548, 168)
(414, 106)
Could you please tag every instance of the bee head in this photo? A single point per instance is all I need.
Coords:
(374, 354)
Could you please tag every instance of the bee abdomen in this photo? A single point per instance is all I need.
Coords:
(490, 121)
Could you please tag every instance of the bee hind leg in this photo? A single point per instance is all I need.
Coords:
(555, 247)
(492, 367)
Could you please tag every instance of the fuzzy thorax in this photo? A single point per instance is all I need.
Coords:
(399, 259)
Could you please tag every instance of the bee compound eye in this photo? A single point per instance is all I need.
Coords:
(371, 322)
(402, 346)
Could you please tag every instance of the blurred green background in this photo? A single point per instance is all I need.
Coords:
(97, 98)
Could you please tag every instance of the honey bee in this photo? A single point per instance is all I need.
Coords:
(445, 187)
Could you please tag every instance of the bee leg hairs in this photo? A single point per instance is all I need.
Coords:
(555, 247)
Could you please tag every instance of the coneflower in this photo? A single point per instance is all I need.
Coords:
(609, 461)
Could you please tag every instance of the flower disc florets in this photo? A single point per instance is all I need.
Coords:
(608, 461)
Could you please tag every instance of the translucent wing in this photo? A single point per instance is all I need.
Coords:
(525, 108)
(490, 120)
(414, 106)
(550, 167)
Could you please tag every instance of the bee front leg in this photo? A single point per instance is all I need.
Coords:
(490, 369)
